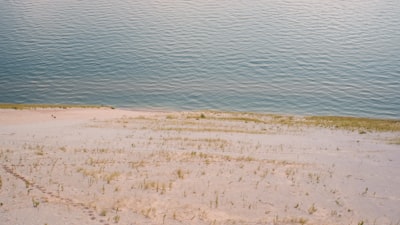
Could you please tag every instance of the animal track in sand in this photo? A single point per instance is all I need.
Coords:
(50, 195)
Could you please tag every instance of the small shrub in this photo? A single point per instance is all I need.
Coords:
(302, 221)
(116, 218)
(180, 174)
(312, 209)
(103, 212)
(35, 203)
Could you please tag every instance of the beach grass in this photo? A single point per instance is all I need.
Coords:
(360, 124)
(183, 166)
(46, 106)
(355, 123)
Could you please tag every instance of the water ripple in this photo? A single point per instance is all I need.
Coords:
(291, 56)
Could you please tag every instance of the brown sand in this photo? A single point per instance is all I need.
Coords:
(104, 166)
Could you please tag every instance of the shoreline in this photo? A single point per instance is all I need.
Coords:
(109, 166)
(24, 106)
(329, 121)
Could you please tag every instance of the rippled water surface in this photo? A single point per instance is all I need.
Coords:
(332, 57)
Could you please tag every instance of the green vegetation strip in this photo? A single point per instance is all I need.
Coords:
(355, 123)
(339, 122)
(42, 106)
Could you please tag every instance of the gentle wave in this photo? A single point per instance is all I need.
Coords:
(293, 56)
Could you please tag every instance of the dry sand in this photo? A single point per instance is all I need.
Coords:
(105, 166)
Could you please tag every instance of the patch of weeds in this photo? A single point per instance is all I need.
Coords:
(170, 117)
(243, 119)
(35, 203)
(27, 184)
(312, 209)
(302, 221)
(297, 220)
(103, 212)
(354, 123)
(246, 159)
(39, 150)
(149, 212)
(216, 200)
(314, 177)
(209, 129)
(112, 176)
(116, 218)
(136, 165)
(180, 174)
(174, 216)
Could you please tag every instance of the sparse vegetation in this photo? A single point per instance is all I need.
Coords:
(35, 203)
(180, 174)
(312, 209)
(216, 200)
(112, 176)
(170, 117)
(300, 220)
(103, 212)
(116, 218)
(354, 123)
(233, 173)
(363, 125)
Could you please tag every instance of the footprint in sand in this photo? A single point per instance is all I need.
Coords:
(86, 209)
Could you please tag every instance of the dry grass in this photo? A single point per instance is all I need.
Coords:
(354, 123)
(339, 122)
(200, 129)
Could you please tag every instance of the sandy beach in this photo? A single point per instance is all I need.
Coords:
(114, 166)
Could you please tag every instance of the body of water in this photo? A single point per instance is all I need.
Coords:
(319, 57)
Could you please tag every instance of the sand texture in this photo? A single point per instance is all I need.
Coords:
(112, 166)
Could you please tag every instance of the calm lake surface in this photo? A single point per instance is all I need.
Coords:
(319, 57)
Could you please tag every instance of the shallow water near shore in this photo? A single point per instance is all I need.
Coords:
(294, 56)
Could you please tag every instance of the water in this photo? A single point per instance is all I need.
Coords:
(331, 57)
